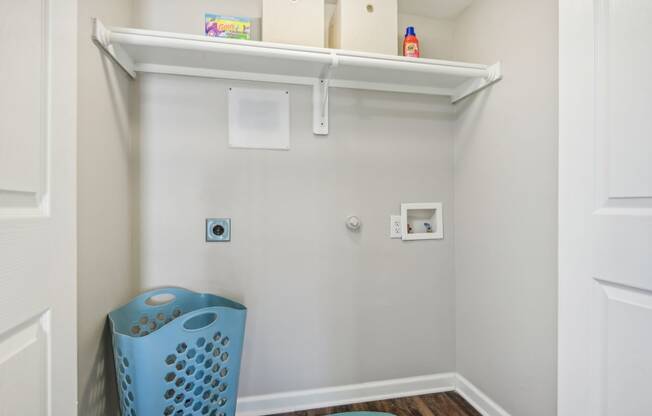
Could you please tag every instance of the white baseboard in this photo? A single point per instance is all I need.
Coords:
(293, 401)
(476, 398)
(334, 396)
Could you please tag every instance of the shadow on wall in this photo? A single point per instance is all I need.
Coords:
(117, 256)
(119, 95)
(100, 395)
(375, 105)
(468, 111)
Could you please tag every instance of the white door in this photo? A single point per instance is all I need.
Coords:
(38, 47)
(605, 217)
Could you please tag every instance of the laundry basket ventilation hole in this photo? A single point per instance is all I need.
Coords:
(125, 383)
(197, 377)
(147, 325)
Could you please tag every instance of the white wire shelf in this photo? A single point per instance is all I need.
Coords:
(146, 51)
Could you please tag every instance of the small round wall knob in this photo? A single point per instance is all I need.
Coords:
(353, 223)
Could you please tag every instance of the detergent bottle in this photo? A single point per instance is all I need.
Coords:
(410, 43)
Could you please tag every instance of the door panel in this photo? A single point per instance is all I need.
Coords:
(623, 142)
(23, 103)
(625, 362)
(24, 360)
(605, 218)
(38, 70)
(623, 66)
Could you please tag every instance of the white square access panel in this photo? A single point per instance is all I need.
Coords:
(422, 221)
(259, 118)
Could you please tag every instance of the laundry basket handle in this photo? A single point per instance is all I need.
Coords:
(161, 297)
(199, 319)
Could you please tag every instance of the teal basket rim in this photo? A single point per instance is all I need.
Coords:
(140, 301)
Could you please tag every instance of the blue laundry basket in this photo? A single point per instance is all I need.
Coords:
(177, 353)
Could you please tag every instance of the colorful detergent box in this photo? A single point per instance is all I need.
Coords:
(227, 26)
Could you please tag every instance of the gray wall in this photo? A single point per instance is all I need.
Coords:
(326, 306)
(349, 307)
(106, 256)
(506, 207)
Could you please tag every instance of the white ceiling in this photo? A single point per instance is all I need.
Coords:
(442, 9)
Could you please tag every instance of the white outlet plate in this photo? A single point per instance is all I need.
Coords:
(395, 226)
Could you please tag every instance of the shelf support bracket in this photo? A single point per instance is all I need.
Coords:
(320, 98)
(320, 107)
(476, 85)
(102, 38)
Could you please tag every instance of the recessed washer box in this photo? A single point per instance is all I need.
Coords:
(422, 221)
(218, 229)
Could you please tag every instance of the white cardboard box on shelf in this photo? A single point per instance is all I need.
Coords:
(366, 26)
(298, 22)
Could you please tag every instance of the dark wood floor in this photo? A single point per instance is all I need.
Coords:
(438, 404)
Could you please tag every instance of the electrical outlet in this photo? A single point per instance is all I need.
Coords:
(218, 229)
(395, 226)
